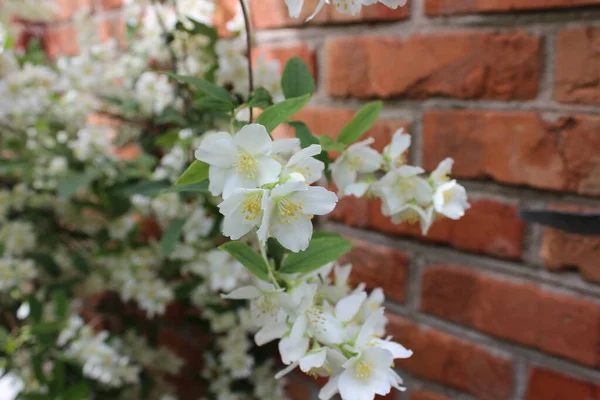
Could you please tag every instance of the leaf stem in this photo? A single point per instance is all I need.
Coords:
(249, 51)
(263, 252)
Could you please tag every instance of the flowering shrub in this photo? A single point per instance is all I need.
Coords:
(179, 196)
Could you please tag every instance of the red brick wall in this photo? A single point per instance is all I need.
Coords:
(494, 308)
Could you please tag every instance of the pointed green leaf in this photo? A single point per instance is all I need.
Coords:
(248, 258)
(198, 187)
(319, 252)
(327, 143)
(209, 89)
(261, 98)
(361, 123)
(79, 391)
(74, 182)
(170, 237)
(278, 113)
(196, 172)
(296, 79)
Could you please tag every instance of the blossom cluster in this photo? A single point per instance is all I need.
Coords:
(351, 7)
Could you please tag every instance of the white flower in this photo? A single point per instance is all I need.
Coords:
(120, 228)
(450, 200)
(400, 187)
(441, 172)
(413, 214)
(198, 225)
(288, 210)
(358, 157)
(394, 3)
(351, 7)
(303, 165)
(243, 210)
(17, 237)
(396, 153)
(242, 161)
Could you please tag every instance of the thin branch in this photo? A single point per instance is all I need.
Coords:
(249, 47)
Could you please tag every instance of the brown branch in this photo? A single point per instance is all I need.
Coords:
(249, 48)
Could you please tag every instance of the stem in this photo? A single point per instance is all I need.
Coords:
(263, 252)
(249, 49)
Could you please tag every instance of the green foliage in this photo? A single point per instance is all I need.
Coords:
(171, 236)
(362, 121)
(330, 144)
(306, 139)
(250, 259)
(261, 98)
(74, 182)
(320, 251)
(296, 79)
(212, 91)
(196, 172)
(281, 112)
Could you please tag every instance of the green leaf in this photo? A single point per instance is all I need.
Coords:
(296, 79)
(198, 187)
(319, 252)
(79, 391)
(248, 258)
(61, 304)
(74, 182)
(275, 251)
(278, 113)
(11, 166)
(35, 308)
(199, 28)
(210, 89)
(260, 98)
(38, 371)
(306, 139)
(327, 143)
(361, 122)
(196, 172)
(147, 188)
(211, 104)
(45, 261)
(170, 237)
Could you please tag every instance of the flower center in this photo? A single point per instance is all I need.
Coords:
(363, 370)
(265, 305)
(406, 185)
(289, 210)
(355, 162)
(448, 196)
(400, 160)
(411, 216)
(251, 207)
(245, 165)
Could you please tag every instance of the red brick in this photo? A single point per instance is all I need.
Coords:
(69, 7)
(446, 7)
(268, 14)
(60, 40)
(114, 28)
(578, 65)
(451, 361)
(426, 396)
(562, 250)
(111, 4)
(461, 65)
(283, 54)
(558, 324)
(488, 227)
(379, 266)
(517, 148)
(191, 352)
(549, 385)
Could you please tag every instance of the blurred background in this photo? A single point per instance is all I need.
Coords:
(493, 307)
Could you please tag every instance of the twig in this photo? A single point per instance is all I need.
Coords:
(12, 323)
(249, 48)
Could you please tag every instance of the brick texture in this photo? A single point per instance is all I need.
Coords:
(517, 148)
(550, 385)
(578, 65)
(451, 361)
(426, 396)
(283, 54)
(379, 266)
(460, 65)
(274, 14)
(561, 250)
(445, 7)
(558, 324)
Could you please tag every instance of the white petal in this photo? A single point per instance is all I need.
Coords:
(217, 149)
(330, 389)
(317, 9)
(397, 350)
(216, 179)
(347, 307)
(407, 171)
(244, 292)
(294, 346)
(254, 140)
(286, 370)
(343, 174)
(268, 170)
(370, 159)
(357, 189)
(314, 359)
(294, 236)
(316, 200)
(287, 188)
(394, 3)
(368, 329)
(285, 146)
(352, 388)
(270, 332)
(235, 181)
(294, 7)
(265, 225)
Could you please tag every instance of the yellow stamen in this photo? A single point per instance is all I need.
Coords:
(289, 210)
(251, 207)
(246, 165)
(363, 370)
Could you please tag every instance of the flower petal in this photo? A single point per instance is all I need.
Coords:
(244, 292)
(254, 140)
(270, 332)
(268, 170)
(347, 307)
(316, 200)
(294, 236)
